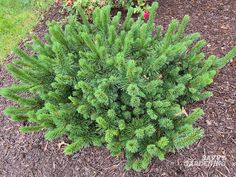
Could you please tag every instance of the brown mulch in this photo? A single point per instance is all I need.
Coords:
(29, 155)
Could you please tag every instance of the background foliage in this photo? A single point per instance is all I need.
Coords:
(90, 5)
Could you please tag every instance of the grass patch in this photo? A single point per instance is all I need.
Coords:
(17, 18)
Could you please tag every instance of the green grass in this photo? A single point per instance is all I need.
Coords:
(17, 18)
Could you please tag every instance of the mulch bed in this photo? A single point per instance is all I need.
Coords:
(28, 155)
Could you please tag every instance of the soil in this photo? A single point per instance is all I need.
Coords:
(29, 155)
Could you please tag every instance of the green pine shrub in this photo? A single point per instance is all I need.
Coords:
(113, 83)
